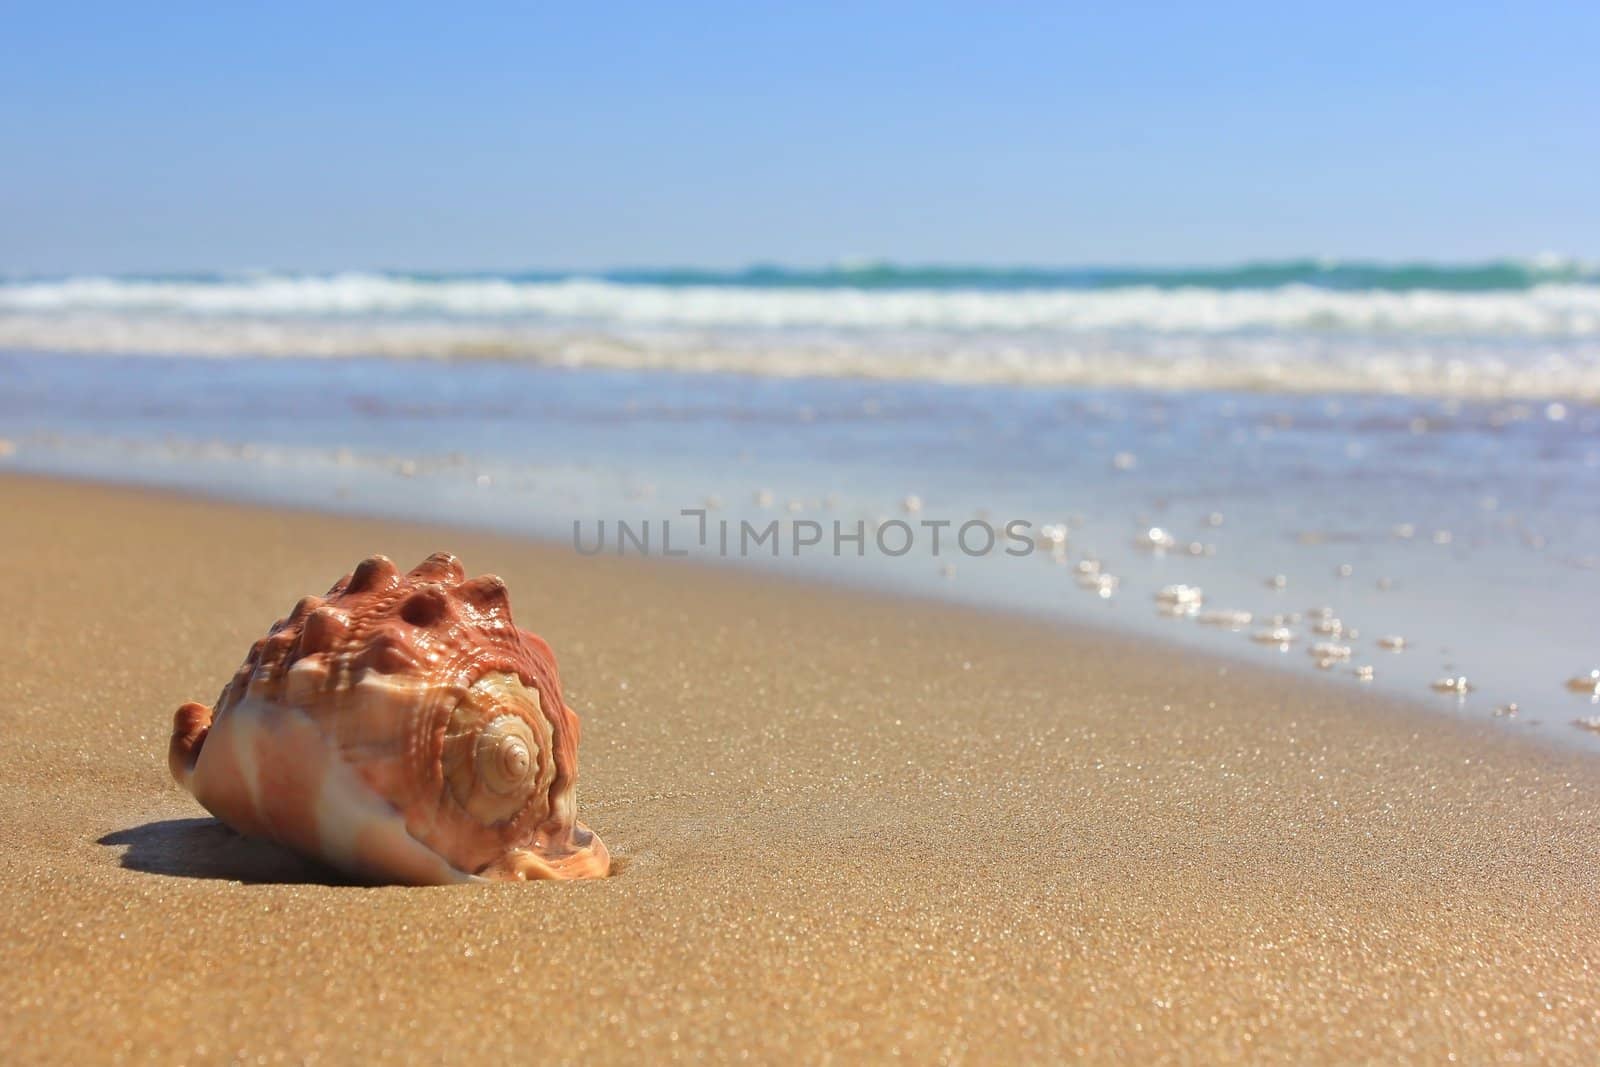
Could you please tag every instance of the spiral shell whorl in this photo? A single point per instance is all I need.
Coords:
(497, 757)
(505, 762)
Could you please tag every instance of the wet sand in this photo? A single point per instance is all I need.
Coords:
(849, 825)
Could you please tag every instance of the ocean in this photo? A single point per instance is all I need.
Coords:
(1489, 330)
(1383, 475)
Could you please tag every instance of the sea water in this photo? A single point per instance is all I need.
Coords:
(1387, 476)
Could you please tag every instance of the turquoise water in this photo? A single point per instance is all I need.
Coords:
(1503, 274)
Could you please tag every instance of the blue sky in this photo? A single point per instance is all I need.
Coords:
(227, 136)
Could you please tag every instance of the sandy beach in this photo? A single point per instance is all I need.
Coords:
(848, 827)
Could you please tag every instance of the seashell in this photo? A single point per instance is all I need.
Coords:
(402, 729)
(1585, 683)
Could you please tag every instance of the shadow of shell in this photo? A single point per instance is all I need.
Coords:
(207, 848)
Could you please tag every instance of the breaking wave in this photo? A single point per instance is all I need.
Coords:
(1488, 330)
(1545, 310)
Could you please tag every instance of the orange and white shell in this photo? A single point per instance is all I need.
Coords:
(402, 729)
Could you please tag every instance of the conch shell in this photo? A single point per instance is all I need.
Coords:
(402, 729)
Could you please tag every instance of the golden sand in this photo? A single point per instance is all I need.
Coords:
(849, 826)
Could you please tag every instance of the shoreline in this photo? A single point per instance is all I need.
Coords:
(851, 823)
(1462, 531)
(1556, 734)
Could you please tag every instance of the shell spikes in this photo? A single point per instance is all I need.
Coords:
(400, 728)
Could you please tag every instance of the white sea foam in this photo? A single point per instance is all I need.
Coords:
(1539, 341)
(1552, 310)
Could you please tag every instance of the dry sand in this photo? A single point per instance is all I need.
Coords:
(853, 827)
